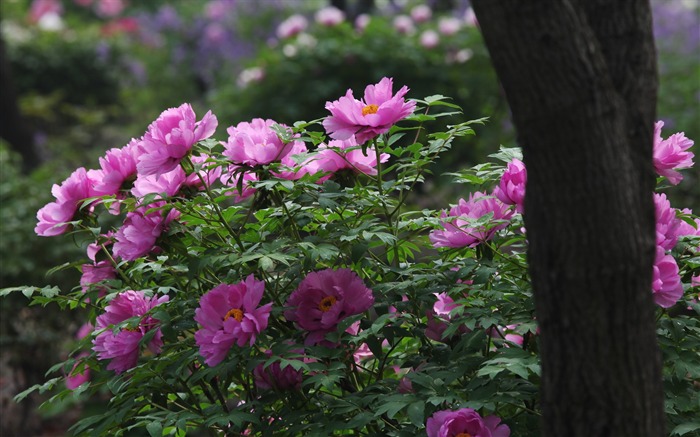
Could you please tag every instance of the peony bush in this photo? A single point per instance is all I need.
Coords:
(281, 282)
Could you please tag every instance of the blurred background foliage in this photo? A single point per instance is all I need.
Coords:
(83, 76)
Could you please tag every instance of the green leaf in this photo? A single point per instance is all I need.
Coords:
(155, 429)
(685, 428)
(416, 413)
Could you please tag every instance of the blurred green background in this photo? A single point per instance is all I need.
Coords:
(82, 76)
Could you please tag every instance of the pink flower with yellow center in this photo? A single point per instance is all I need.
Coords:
(369, 117)
(326, 297)
(228, 315)
(465, 422)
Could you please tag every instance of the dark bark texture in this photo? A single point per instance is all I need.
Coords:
(580, 77)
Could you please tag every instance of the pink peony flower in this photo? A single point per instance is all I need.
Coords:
(421, 13)
(274, 377)
(429, 39)
(329, 16)
(228, 315)
(140, 231)
(346, 154)
(208, 173)
(460, 233)
(367, 118)
(293, 25)
(122, 347)
(667, 224)
(109, 8)
(511, 188)
(53, 217)
(362, 21)
(118, 171)
(171, 137)
(168, 184)
(250, 75)
(232, 179)
(95, 273)
(449, 25)
(671, 154)
(404, 25)
(255, 143)
(439, 318)
(465, 422)
(75, 379)
(324, 298)
(666, 283)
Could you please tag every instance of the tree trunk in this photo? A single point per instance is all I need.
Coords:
(580, 78)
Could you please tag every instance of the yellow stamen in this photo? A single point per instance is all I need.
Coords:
(463, 434)
(326, 303)
(370, 109)
(235, 313)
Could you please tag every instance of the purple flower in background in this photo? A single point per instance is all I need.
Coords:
(228, 315)
(666, 283)
(511, 188)
(122, 347)
(465, 422)
(369, 117)
(170, 138)
(460, 233)
(671, 154)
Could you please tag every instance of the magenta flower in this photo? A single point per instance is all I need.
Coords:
(255, 143)
(122, 347)
(666, 283)
(118, 169)
(171, 137)
(667, 224)
(465, 422)
(346, 154)
(209, 172)
(274, 377)
(439, 319)
(511, 188)
(168, 183)
(367, 118)
(460, 233)
(229, 314)
(54, 216)
(295, 170)
(671, 154)
(95, 273)
(140, 231)
(326, 297)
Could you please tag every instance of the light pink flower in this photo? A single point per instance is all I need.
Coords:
(123, 347)
(346, 154)
(255, 143)
(666, 283)
(421, 13)
(75, 379)
(429, 39)
(293, 25)
(367, 118)
(667, 224)
(109, 8)
(449, 25)
(329, 16)
(326, 297)
(687, 229)
(293, 170)
(41, 8)
(511, 188)
(274, 377)
(362, 21)
(95, 273)
(404, 25)
(470, 18)
(250, 75)
(671, 154)
(460, 233)
(52, 218)
(232, 178)
(507, 333)
(168, 184)
(228, 315)
(171, 137)
(465, 421)
(140, 231)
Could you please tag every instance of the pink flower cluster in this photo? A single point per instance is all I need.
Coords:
(671, 154)
(465, 422)
(511, 188)
(122, 347)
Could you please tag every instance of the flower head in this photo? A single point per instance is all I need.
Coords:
(255, 143)
(53, 218)
(465, 422)
(460, 233)
(346, 154)
(140, 231)
(228, 315)
(667, 224)
(274, 377)
(671, 154)
(666, 282)
(511, 188)
(95, 273)
(122, 347)
(329, 16)
(118, 168)
(369, 117)
(421, 13)
(326, 297)
(293, 25)
(171, 137)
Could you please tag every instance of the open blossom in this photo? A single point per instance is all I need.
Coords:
(346, 154)
(140, 231)
(666, 283)
(449, 25)
(171, 137)
(122, 347)
(429, 39)
(118, 169)
(421, 13)
(53, 217)
(511, 188)
(671, 154)
(667, 224)
(95, 273)
(439, 318)
(465, 422)
(369, 117)
(329, 16)
(255, 143)
(228, 315)
(460, 233)
(326, 297)
(293, 25)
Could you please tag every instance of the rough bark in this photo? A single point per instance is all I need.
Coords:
(581, 81)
